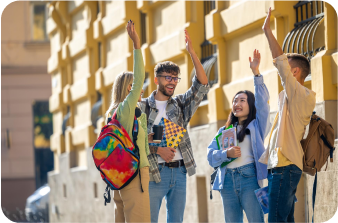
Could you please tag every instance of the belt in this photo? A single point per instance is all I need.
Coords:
(174, 164)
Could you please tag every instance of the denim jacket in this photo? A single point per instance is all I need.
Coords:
(258, 128)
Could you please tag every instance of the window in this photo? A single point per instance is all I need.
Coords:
(98, 7)
(96, 112)
(209, 6)
(65, 123)
(146, 84)
(143, 28)
(309, 16)
(39, 17)
(209, 51)
(209, 62)
(99, 46)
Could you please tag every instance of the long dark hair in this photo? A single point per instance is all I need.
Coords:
(232, 119)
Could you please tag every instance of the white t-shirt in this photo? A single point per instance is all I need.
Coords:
(161, 106)
(246, 152)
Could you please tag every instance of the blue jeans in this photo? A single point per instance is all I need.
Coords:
(283, 183)
(238, 194)
(173, 187)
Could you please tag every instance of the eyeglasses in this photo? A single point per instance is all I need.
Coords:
(169, 78)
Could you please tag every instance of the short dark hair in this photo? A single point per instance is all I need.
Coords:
(302, 62)
(168, 67)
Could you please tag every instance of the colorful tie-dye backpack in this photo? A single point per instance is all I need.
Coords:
(116, 156)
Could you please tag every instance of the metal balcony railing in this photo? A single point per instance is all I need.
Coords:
(208, 60)
(143, 17)
(209, 6)
(208, 50)
(309, 14)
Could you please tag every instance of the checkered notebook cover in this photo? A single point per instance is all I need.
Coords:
(174, 133)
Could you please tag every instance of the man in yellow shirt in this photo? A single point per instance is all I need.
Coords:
(284, 155)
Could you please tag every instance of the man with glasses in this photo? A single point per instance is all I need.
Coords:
(169, 166)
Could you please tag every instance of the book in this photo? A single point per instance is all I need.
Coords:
(229, 138)
(174, 133)
(262, 195)
(226, 139)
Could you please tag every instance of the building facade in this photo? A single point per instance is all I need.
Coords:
(90, 47)
(25, 91)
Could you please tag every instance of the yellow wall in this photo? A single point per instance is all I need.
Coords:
(76, 29)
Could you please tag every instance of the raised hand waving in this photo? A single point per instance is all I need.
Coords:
(254, 64)
(133, 34)
(188, 44)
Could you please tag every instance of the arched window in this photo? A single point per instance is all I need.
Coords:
(309, 15)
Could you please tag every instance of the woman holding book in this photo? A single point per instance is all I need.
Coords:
(132, 202)
(239, 173)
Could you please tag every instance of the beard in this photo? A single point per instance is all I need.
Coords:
(162, 89)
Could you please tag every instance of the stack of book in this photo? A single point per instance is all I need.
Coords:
(226, 139)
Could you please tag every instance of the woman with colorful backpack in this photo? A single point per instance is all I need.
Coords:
(239, 173)
(132, 201)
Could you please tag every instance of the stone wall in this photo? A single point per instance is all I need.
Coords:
(77, 193)
(326, 196)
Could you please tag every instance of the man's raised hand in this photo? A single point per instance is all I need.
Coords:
(133, 34)
(275, 48)
(188, 44)
(266, 25)
(254, 64)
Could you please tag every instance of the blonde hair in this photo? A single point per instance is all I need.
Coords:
(120, 90)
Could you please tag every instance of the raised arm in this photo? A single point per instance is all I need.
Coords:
(126, 109)
(292, 87)
(200, 73)
(195, 94)
(261, 96)
(275, 48)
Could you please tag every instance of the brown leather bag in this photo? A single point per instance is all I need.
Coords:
(318, 145)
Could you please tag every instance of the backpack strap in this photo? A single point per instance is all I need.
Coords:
(328, 145)
(314, 191)
(212, 180)
(135, 134)
(106, 195)
(147, 111)
(213, 177)
(135, 130)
